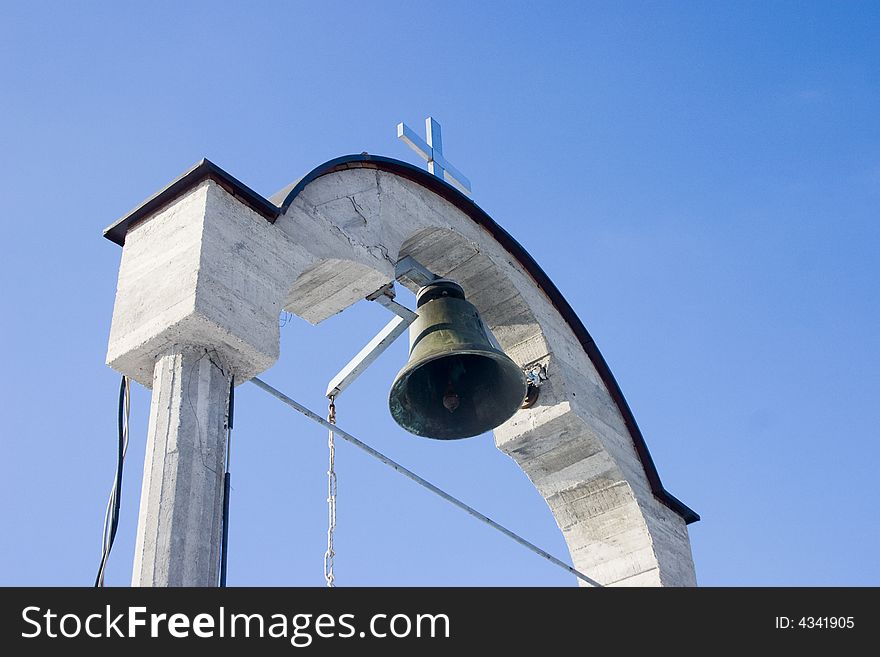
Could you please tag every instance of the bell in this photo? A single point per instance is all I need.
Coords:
(455, 384)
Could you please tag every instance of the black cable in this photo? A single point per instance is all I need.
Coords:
(116, 491)
(225, 541)
(227, 479)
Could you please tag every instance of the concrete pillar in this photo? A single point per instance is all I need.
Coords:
(180, 523)
(197, 302)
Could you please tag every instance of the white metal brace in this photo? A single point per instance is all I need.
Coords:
(407, 268)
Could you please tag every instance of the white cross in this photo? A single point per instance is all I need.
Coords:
(433, 153)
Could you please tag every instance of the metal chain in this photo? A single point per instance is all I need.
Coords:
(331, 497)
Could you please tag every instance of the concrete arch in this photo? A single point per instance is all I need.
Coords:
(333, 237)
(574, 444)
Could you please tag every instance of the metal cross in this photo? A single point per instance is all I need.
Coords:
(433, 153)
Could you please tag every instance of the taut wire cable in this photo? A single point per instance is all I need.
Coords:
(421, 481)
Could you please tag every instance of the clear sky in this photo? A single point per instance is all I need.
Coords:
(701, 181)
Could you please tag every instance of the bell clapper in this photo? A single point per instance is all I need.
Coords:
(450, 398)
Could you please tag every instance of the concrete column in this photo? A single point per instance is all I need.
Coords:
(180, 523)
(197, 301)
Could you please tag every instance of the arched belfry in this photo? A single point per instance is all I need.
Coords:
(208, 265)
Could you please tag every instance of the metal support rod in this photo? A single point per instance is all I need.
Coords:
(384, 296)
(366, 356)
(407, 268)
(419, 480)
(401, 311)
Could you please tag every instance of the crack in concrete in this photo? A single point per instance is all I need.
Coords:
(357, 209)
(203, 451)
(379, 193)
(354, 244)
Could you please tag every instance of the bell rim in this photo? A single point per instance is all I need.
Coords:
(494, 354)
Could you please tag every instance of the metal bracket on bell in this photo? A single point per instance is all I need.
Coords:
(408, 270)
(384, 296)
(536, 375)
(413, 274)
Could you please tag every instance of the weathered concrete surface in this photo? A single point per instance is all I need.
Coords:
(179, 527)
(201, 284)
(208, 271)
(205, 270)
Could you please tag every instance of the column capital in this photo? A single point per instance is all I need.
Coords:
(188, 277)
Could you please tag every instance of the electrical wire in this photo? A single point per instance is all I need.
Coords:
(227, 485)
(111, 515)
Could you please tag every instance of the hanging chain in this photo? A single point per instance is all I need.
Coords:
(331, 497)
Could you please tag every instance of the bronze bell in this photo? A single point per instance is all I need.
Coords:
(455, 384)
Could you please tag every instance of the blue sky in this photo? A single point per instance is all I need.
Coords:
(701, 181)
